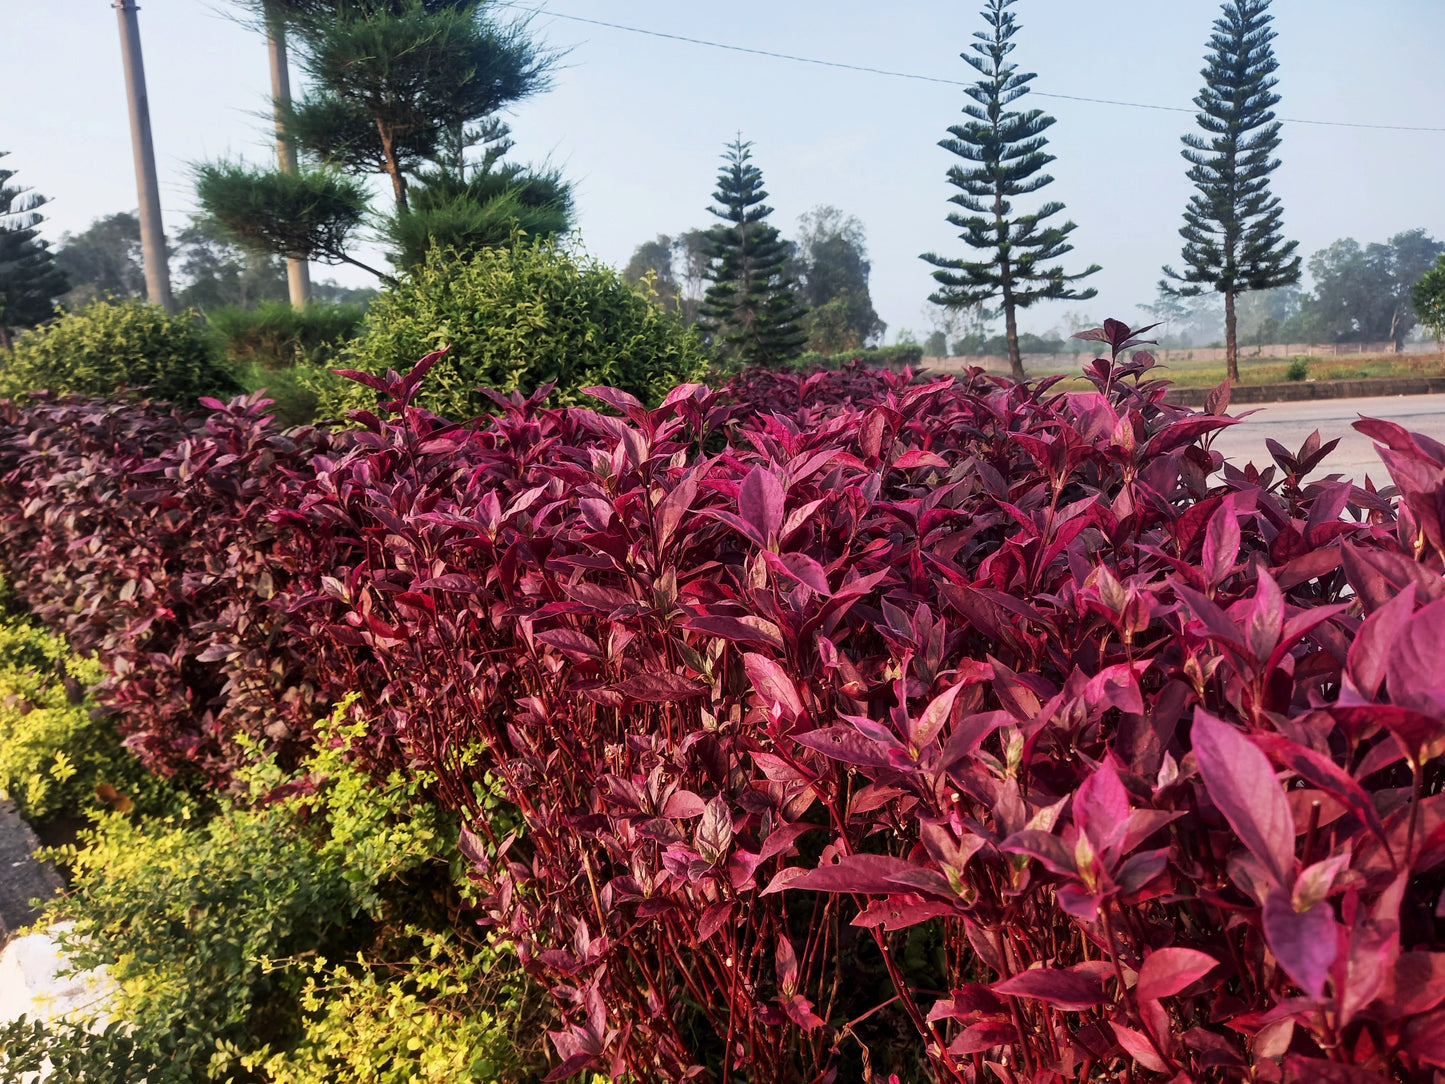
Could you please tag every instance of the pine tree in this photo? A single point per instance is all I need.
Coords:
(1231, 231)
(29, 279)
(1005, 152)
(751, 311)
(404, 88)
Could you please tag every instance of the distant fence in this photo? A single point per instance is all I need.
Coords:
(1033, 362)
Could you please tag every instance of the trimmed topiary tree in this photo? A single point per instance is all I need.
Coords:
(118, 344)
(515, 318)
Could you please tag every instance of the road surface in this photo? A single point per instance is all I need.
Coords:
(1292, 423)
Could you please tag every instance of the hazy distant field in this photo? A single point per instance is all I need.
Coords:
(1272, 370)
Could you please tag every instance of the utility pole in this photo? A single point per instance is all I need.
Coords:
(298, 274)
(152, 232)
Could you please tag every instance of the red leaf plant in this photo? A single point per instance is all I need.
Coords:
(151, 538)
(859, 725)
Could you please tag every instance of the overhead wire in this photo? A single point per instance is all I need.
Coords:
(914, 75)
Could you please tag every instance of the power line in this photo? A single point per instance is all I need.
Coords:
(920, 78)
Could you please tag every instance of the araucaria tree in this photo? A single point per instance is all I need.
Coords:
(1231, 231)
(402, 88)
(1004, 152)
(29, 279)
(751, 311)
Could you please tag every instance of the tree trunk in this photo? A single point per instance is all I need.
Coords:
(298, 274)
(393, 167)
(1231, 341)
(152, 232)
(1011, 330)
(4, 338)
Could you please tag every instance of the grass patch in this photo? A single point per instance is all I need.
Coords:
(1207, 374)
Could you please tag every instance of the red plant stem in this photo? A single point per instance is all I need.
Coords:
(1130, 1001)
(1025, 1051)
(1416, 789)
(1314, 826)
(901, 987)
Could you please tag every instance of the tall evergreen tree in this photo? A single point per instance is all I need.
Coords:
(751, 311)
(403, 88)
(1004, 150)
(1231, 231)
(29, 279)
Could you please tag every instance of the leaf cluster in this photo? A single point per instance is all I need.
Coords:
(985, 695)
(520, 316)
(306, 215)
(107, 346)
(146, 536)
(57, 757)
(299, 934)
(789, 719)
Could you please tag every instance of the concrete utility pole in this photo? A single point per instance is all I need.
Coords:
(152, 231)
(298, 274)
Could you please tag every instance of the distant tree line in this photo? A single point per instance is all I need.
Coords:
(1359, 293)
(214, 271)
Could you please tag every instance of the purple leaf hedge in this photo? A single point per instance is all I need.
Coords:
(832, 708)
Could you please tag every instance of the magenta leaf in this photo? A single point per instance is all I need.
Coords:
(1166, 971)
(760, 502)
(844, 743)
(1415, 666)
(773, 684)
(985, 1035)
(901, 911)
(1304, 943)
(800, 567)
(863, 873)
(1370, 653)
(1221, 542)
(1138, 1046)
(1101, 808)
(1243, 785)
(1073, 991)
(930, 724)
(660, 688)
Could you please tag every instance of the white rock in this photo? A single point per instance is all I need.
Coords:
(31, 983)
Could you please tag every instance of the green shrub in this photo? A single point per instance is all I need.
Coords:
(113, 344)
(292, 391)
(516, 317)
(76, 1055)
(283, 352)
(224, 934)
(56, 758)
(874, 357)
(275, 336)
(1298, 370)
(452, 1011)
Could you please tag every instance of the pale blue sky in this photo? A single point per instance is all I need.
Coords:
(638, 123)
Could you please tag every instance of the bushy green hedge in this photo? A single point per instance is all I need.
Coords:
(56, 757)
(276, 336)
(112, 344)
(300, 934)
(280, 350)
(885, 357)
(515, 318)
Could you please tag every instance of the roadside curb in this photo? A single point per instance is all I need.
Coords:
(22, 878)
(1313, 389)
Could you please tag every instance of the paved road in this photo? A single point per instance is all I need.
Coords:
(1292, 423)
